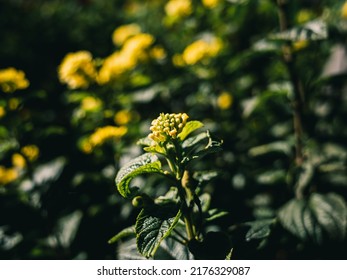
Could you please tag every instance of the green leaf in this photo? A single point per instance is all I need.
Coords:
(153, 225)
(205, 176)
(189, 128)
(330, 211)
(311, 31)
(155, 149)
(145, 141)
(274, 147)
(127, 250)
(192, 141)
(271, 177)
(259, 229)
(317, 219)
(170, 249)
(212, 146)
(146, 163)
(129, 231)
(229, 255)
(214, 214)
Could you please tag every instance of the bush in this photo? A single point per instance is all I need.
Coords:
(81, 83)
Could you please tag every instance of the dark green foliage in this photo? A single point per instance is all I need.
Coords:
(255, 197)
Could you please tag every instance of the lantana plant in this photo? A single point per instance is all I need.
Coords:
(182, 213)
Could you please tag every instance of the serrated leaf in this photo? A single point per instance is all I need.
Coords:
(330, 211)
(153, 225)
(316, 219)
(311, 31)
(146, 163)
(259, 229)
(129, 231)
(298, 220)
(189, 128)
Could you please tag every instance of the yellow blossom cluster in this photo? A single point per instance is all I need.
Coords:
(28, 152)
(12, 79)
(101, 135)
(210, 3)
(8, 175)
(31, 152)
(177, 9)
(134, 50)
(124, 32)
(167, 126)
(77, 70)
(200, 51)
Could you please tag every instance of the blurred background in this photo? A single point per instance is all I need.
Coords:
(81, 80)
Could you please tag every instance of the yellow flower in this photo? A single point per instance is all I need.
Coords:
(116, 64)
(210, 3)
(2, 112)
(201, 49)
(158, 53)
(178, 8)
(344, 10)
(133, 52)
(77, 70)
(122, 117)
(7, 175)
(137, 45)
(124, 32)
(31, 152)
(103, 134)
(90, 104)
(167, 126)
(12, 79)
(177, 60)
(224, 100)
(18, 160)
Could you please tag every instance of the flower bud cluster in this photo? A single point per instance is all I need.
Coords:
(167, 126)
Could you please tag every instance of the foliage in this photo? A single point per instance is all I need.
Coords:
(266, 76)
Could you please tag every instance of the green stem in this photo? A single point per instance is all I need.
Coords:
(299, 94)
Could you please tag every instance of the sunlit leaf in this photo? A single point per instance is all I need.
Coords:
(189, 128)
(146, 163)
(311, 31)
